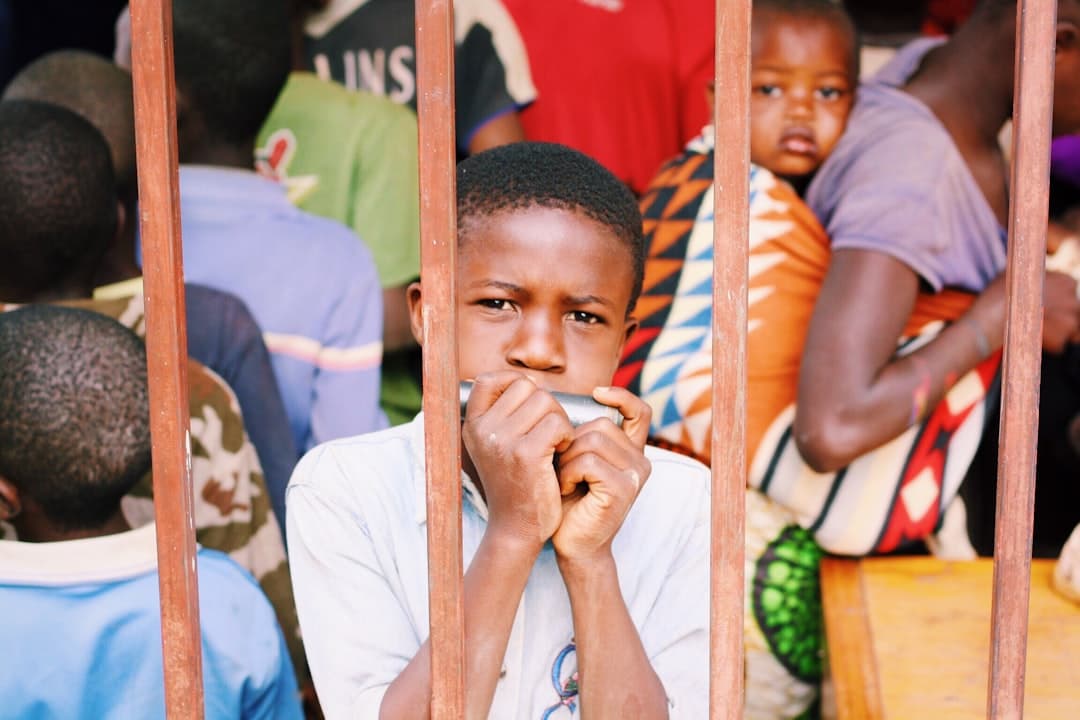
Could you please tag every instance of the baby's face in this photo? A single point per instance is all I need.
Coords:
(802, 90)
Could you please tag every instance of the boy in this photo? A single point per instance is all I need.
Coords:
(595, 598)
(804, 70)
(57, 216)
(74, 440)
(308, 281)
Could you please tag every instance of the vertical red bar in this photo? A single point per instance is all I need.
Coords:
(166, 346)
(442, 413)
(731, 242)
(1036, 20)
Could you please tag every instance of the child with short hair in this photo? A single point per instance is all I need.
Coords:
(803, 75)
(74, 440)
(586, 585)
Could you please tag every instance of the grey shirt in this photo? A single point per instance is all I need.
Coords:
(897, 184)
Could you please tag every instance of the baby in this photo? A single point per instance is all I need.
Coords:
(804, 71)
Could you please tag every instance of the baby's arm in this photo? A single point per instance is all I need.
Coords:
(512, 431)
(616, 679)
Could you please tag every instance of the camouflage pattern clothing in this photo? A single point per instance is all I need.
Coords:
(232, 505)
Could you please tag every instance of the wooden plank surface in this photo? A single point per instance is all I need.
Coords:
(930, 629)
(442, 413)
(1034, 92)
(166, 350)
(849, 641)
(731, 232)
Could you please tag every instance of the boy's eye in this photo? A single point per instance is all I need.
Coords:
(585, 317)
(772, 91)
(830, 93)
(494, 303)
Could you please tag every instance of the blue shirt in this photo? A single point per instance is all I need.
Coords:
(310, 285)
(82, 632)
(357, 526)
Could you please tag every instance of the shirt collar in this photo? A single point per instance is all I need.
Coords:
(469, 491)
(97, 559)
(230, 187)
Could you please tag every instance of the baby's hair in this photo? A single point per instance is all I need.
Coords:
(74, 412)
(547, 175)
(831, 11)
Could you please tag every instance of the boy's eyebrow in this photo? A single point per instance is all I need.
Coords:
(500, 284)
(588, 300)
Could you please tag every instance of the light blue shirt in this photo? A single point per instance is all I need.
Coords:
(81, 627)
(310, 285)
(358, 555)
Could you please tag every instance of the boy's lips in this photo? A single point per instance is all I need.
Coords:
(799, 141)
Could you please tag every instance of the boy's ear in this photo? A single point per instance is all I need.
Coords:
(1068, 36)
(414, 296)
(10, 504)
(632, 324)
(121, 222)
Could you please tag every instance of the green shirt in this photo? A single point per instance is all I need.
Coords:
(352, 157)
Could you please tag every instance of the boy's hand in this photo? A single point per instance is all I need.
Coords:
(611, 462)
(512, 431)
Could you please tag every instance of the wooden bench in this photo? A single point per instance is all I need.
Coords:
(910, 638)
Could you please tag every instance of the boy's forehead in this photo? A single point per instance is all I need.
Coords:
(550, 244)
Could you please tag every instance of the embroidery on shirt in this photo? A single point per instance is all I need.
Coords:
(568, 689)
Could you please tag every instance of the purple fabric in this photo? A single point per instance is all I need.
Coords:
(1065, 159)
(896, 184)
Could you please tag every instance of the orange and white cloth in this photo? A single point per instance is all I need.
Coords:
(895, 494)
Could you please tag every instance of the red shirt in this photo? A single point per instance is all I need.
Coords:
(620, 80)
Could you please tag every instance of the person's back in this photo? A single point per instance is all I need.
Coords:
(310, 284)
(371, 45)
(351, 156)
(74, 439)
(619, 81)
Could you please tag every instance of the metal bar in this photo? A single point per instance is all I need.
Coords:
(1036, 20)
(166, 345)
(730, 249)
(442, 420)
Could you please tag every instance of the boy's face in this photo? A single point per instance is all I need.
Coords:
(802, 89)
(544, 292)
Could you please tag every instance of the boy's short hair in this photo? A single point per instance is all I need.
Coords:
(534, 174)
(74, 412)
(831, 11)
(92, 87)
(232, 60)
(58, 202)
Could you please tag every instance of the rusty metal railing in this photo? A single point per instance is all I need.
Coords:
(160, 231)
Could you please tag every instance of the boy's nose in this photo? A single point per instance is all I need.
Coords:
(538, 345)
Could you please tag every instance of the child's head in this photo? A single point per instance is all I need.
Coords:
(58, 202)
(74, 419)
(93, 88)
(804, 71)
(550, 258)
(232, 60)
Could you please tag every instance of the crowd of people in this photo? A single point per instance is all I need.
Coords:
(879, 198)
